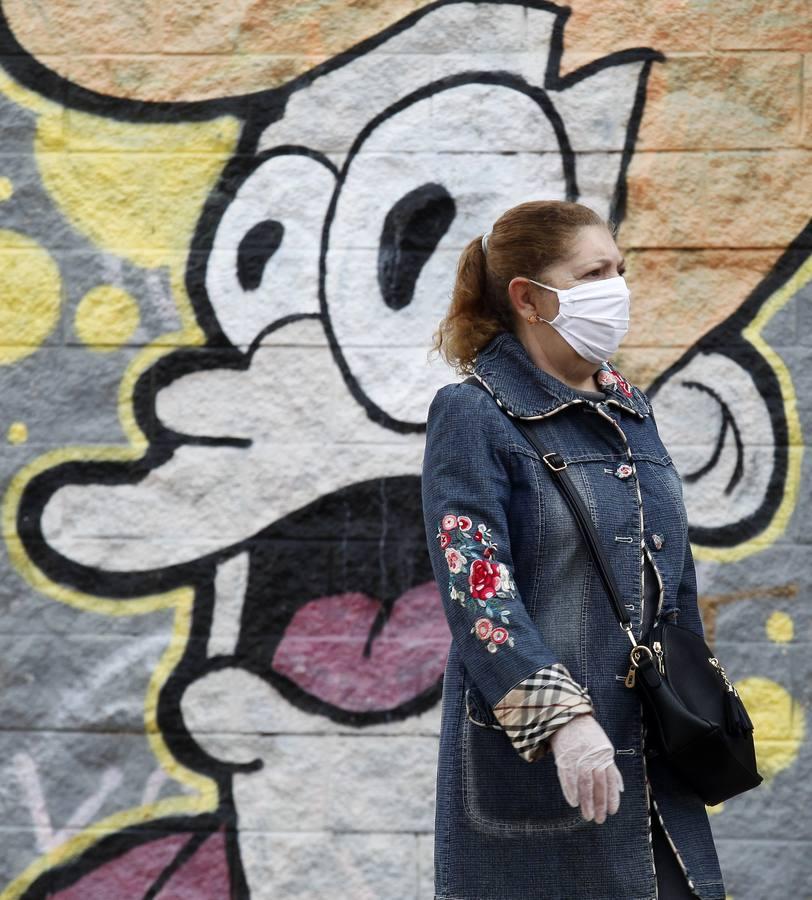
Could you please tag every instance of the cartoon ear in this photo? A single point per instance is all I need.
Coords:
(264, 259)
(723, 422)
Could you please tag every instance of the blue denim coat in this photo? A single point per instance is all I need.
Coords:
(503, 829)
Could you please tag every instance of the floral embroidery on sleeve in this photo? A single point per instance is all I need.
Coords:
(472, 552)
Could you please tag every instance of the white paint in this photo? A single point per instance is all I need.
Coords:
(27, 774)
(690, 422)
(230, 584)
(310, 438)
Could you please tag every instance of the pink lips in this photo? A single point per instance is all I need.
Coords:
(322, 649)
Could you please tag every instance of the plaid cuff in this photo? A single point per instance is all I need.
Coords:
(535, 708)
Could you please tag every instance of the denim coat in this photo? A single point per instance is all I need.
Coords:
(503, 829)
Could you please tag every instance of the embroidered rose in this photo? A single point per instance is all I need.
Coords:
(455, 559)
(484, 579)
(472, 552)
(484, 628)
(494, 634)
(482, 533)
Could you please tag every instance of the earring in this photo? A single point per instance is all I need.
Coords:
(532, 318)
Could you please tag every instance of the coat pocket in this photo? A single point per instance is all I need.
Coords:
(501, 791)
(478, 712)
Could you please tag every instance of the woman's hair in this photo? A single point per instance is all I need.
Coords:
(524, 241)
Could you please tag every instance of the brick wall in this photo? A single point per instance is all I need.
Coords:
(213, 381)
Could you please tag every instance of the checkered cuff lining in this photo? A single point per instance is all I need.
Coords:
(535, 708)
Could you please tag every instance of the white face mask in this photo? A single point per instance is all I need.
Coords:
(593, 317)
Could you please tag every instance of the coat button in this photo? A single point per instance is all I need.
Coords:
(658, 540)
(623, 470)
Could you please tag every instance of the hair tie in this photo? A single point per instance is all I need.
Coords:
(485, 242)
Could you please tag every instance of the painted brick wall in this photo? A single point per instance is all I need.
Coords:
(221, 646)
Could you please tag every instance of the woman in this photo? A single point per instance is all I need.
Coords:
(545, 785)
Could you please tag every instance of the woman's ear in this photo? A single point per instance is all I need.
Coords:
(520, 298)
(528, 299)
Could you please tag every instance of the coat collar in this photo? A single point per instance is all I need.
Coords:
(525, 390)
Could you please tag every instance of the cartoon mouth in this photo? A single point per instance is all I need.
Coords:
(329, 649)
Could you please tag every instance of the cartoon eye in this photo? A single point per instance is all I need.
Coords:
(264, 259)
(411, 232)
(257, 246)
(400, 217)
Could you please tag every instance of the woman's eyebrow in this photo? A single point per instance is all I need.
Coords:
(605, 259)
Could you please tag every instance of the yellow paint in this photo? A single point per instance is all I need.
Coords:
(779, 723)
(28, 99)
(795, 448)
(780, 627)
(30, 295)
(6, 189)
(204, 800)
(17, 433)
(136, 190)
(106, 317)
(160, 238)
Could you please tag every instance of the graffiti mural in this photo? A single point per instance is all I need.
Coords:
(224, 643)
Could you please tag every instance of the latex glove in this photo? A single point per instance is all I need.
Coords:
(585, 760)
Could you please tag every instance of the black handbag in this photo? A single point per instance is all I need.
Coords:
(695, 716)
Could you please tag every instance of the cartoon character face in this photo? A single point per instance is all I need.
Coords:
(391, 186)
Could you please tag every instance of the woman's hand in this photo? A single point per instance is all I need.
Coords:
(585, 759)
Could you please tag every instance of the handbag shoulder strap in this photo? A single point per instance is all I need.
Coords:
(558, 468)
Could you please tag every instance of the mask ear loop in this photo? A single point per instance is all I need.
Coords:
(536, 316)
(556, 291)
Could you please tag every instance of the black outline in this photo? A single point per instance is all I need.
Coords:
(261, 108)
(727, 339)
(112, 846)
(728, 421)
(257, 110)
(503, 79)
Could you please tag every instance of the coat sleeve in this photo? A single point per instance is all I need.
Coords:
(466, 492)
